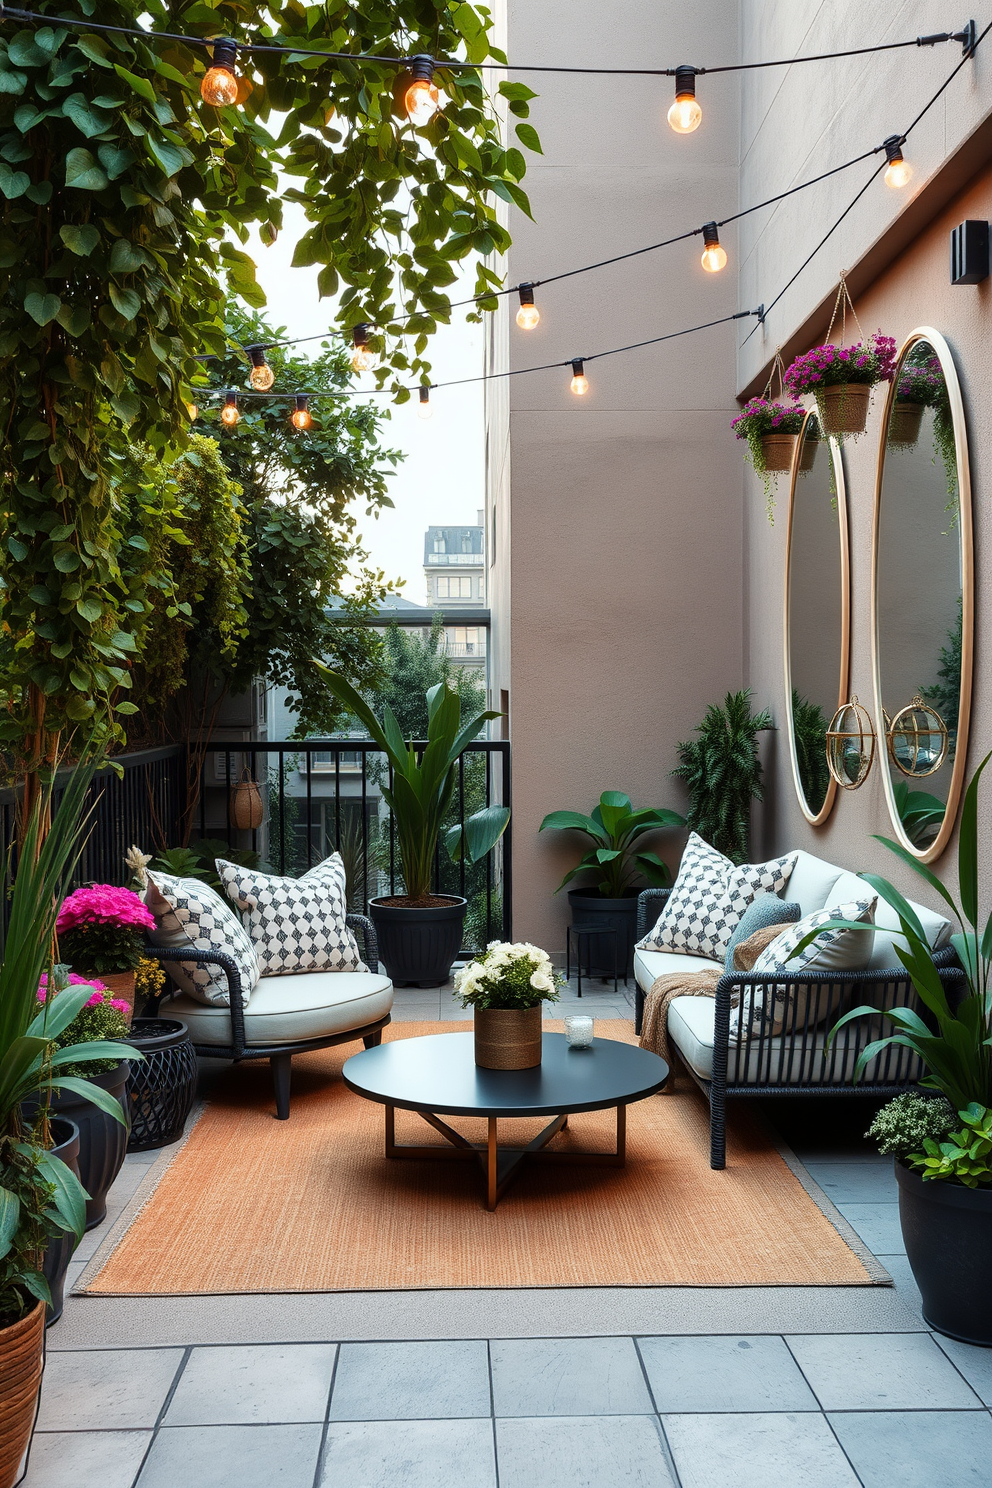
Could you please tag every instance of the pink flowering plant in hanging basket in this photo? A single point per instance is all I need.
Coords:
(758, 419)
(101, 928)
(866, 362)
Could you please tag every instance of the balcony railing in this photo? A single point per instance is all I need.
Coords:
(466, 648)
(467, 560)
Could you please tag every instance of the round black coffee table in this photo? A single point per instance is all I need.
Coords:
(438, 1074)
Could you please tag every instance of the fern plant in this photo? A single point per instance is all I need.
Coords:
(809, 730)
(722, 773)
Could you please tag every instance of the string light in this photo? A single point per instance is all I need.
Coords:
(301, 416)
(714, 256)
(424, 409)
(363, 358)
(262, 376)
(421, 98)
(528, 315)
(899, 171)
(220, 84)
(685, 115)
(229, 413)
(580, 382)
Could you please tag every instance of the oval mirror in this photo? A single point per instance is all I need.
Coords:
(923, 595)
(817, 613)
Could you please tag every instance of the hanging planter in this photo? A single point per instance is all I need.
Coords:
(770, 431)
(247, 808)
(904, 424)
(841, 377)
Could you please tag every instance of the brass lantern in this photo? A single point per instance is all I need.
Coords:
(850, 745)
(917, 739)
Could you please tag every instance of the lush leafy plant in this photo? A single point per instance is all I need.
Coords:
(421, 789)
(102, 1018)
(957, 1050)
(920, 813)
(101, 928)
(508, 975)
(723, 774)
(809, 732)
(757, 418)
(615, 864)
(945, 693)
(964, 1156)
(199, 859)
(908, 1120)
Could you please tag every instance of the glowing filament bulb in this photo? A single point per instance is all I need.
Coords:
(714, 257)
(220, 84)
(580, 382)
(229, 413)
(685, 115)
(528, 315)
(421, 98)
(301, 418)
(424, 409)
(898, 172)
(262, 376)
(363, 358)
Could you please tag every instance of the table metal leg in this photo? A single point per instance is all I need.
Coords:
(492, 1187)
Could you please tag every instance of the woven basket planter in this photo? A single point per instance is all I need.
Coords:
(843, 409)
(20, 1380)
(904, 424)
(247, 808)
(508, 1038)
(777, 451)
(162, 1088)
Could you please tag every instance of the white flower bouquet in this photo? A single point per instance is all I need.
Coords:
(508, 974)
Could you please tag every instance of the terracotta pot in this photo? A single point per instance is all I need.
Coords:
(904, 423)
(120, 985)
(508, 1038)
(844, 408)
(777, 451)
(20, 1380)
(247, 808)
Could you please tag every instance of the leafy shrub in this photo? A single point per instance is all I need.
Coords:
(902, 1126)
(723, 774)
(964, 1156)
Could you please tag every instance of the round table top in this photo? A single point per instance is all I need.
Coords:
(438, 1073)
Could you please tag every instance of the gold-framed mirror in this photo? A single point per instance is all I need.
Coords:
(923, 583)
(817, 613)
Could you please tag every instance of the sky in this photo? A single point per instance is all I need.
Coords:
(441, 479)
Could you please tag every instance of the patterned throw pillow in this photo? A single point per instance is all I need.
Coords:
(709, 899)
(189, 915)
(767, 909)
(296, 924)
(832, 951)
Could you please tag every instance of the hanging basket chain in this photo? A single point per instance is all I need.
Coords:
(842, 303)
(777, 366)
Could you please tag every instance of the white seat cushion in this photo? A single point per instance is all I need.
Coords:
(651, 964)
(289, 1009)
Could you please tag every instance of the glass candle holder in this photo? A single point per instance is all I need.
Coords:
(578, 1030)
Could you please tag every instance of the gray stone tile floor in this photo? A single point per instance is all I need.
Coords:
(759, 1387)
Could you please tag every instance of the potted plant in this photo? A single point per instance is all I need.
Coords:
(506, 985)
(723, 775)
(945, 1173)
(420, 932)
(40, 1197)
(841, 378)
(100, 930)
(616, 870)
(770, 431)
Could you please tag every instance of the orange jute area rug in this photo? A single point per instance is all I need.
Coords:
(251, 1204)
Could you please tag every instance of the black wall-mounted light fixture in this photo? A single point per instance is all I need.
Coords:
(970, 252)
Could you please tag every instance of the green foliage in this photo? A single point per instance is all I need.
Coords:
(421, 789)
(945, 694)
(809, 731)
(199, 859)
(963, 1157)
(909, 1120)
(723, 774)
(101, 1022)
(921, 813)
(412, 664)
(613, 828)
(956, 1046)
(101, 948)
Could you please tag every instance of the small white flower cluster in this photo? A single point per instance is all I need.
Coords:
(499, 956)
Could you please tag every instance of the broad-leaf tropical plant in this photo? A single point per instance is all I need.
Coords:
(38, 1193)
(957, 1048)
(422, 782)
(614, 827)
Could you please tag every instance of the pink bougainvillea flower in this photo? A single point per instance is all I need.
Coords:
(106, 904)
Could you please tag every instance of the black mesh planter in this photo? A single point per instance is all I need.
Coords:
(58, 1251)
(161, 1090)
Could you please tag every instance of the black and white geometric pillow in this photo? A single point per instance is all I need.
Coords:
(295, 924)
(189, 915)
(709, 898)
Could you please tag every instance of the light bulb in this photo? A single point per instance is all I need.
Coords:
(424, 409)
(528, 316)
(262, 376)
(899, 171)
(714, 257)
(363, 358)
(580, 382)
(421, 97)
(301, 418)
(229, 413)
(220, 85)
(685, 115)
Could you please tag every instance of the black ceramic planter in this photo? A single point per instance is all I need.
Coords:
(589, 907)
(948, 1233)
(102, 1140)
(58, 1251)
(418, 946)
(161, 1090)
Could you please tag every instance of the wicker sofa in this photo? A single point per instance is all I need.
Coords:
(798, 1060)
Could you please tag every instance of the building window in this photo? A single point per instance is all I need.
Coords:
(454, 588)
(467, 543)
(439, 545)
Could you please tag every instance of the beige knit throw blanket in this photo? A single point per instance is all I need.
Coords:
(654, 1028)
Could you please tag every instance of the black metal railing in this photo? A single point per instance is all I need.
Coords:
(320, 796)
